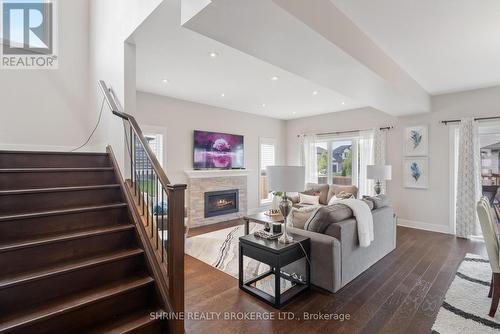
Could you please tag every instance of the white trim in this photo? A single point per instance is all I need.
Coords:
(52, 148)
(424, 226)
(270, 141)
(161, 130)
(202, 173)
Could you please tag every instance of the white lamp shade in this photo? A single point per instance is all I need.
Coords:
(286, 178)
(379, 172)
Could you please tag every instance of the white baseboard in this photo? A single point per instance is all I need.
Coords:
(51, 148)
(424, 226)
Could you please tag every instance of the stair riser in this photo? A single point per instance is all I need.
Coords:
(29, 180)
(22, 229)
(26, 259)
(17, 297)
(78, 320)
(35, 160)
(26, 203)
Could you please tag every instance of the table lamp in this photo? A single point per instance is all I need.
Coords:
(285, 179)
(378, 173)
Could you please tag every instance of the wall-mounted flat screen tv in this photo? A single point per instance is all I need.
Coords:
(215, 150)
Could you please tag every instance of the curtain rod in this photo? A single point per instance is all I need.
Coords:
(350, 131)
(475, 119)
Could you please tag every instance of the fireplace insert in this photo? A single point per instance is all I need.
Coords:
(218, 203)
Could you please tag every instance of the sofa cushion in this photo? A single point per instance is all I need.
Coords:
(308, 199)
(326, 215)
(299, 217)
(320, 190)
(335, 189)
(379, 201)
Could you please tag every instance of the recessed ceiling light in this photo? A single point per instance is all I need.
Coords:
(274, 78)
(222, 95)
(343, 102)
(294, 112)
(263, 105)
(213, 54)
(315, 92)
(165, 80)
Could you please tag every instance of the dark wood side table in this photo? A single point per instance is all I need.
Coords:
(261, 218)
(277, 256)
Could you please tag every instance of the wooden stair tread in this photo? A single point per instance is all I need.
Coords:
(127, 324)
(64, 237)
(23, 278)
(54, 152)
(62, 211)
(72, 302)
(57, 189)
(56, 169)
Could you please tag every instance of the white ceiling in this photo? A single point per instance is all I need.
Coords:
(165, 50)
(445, 45)
(402, 50)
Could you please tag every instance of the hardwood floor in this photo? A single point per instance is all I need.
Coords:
(402, 293)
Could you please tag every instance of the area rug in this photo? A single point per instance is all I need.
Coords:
(466, 304)
(220, 249)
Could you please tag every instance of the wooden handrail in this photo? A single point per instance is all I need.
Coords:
(110, 100)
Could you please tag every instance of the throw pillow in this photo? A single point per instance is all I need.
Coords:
(335, 189)
(320, 190)
(379, 201)
(309, 199)
(341, 195)
(299, 217)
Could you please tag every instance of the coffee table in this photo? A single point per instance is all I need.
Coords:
(261, 218)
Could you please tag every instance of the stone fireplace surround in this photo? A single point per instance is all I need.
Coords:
(201, 181)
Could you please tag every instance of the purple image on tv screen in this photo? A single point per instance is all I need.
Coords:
(217, 150)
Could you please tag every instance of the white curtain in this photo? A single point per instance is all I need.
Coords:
(468, 179)
(308, 157)
(379, 149)
(366, 157)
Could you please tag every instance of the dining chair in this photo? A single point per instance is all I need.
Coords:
(492, 248)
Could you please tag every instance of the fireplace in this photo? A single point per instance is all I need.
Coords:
(218, 203)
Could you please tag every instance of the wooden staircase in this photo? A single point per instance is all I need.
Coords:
(71, 257)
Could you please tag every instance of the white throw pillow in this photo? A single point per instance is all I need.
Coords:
(342, 195)
(309, 199)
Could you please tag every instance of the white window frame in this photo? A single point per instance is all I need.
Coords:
(355, 158)
(263, 141)
(158, 130)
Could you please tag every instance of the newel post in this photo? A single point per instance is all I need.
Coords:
(175, 250)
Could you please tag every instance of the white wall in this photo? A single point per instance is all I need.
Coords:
(180, 118)
(429, 208)
(112, 59)
(48, 109)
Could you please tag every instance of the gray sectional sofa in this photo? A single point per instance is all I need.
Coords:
(336, 257)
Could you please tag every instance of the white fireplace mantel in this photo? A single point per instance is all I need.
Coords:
(208, 173)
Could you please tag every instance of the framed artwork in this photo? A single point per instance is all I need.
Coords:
(416, 172)
(416, 141)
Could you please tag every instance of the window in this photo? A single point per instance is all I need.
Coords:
(155, 142)
(267, 157)
(155, 137)
(337, 161)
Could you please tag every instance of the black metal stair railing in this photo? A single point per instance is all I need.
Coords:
(160, 202)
